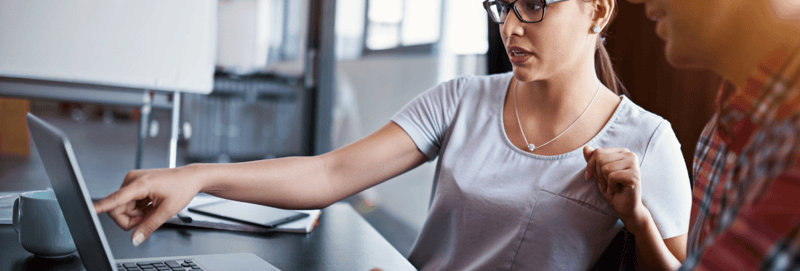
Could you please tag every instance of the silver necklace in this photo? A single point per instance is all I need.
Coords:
(532, 147)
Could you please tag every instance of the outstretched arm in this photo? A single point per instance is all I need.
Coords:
(148, 198)
(318, 181)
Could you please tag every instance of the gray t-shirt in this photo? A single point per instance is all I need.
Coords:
(498, 207)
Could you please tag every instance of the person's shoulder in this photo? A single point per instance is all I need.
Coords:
(632, 115)
(481, 84)
(637, 128)
(489, 81)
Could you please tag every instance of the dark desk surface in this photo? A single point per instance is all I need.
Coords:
(343, 240)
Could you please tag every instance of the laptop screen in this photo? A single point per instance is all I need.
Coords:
(72, 195)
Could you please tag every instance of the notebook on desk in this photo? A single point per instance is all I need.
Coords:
(90, 240)
(304, 225)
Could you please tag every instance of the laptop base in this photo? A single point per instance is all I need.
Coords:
(232, 261)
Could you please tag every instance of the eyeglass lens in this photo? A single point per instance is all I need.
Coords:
(528, 10)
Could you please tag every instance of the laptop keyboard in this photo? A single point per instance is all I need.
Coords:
(182, 265)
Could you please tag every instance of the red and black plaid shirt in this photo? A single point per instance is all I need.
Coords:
(746, 197)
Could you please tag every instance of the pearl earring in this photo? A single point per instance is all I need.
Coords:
(596, 29)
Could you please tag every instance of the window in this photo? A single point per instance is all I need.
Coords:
(365, 27)
(402, 23)
(467, 28)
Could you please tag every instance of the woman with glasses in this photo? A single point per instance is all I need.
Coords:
(539, 168)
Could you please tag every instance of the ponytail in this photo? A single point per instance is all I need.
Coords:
(605, 70)
(603, 65)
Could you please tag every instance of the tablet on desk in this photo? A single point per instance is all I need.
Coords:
(249, 213)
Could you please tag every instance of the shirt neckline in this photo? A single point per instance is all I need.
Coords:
(568, 154)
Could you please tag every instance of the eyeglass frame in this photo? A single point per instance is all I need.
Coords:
(514, 7)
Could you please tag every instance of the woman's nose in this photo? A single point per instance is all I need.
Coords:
(512, 25)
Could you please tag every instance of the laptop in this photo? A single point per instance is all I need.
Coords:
(90, 240)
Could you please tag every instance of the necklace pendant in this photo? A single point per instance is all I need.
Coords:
(531, 147)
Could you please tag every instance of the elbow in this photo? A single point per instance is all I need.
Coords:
(321, 205)
(324, 196)
(327, 188)
(315, 201)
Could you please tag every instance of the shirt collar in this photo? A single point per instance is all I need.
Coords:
(742, 109)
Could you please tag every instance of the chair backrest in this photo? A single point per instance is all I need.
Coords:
(620, 254)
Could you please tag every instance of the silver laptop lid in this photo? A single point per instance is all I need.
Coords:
(72, 195)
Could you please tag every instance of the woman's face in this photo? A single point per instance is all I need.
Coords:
(557, 44)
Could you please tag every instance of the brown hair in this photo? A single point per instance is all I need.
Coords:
(602, 62)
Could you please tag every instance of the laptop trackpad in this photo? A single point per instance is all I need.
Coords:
(234, 261)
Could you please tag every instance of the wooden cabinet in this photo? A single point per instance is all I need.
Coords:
(13, 127)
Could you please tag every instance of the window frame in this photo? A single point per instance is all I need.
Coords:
(424, 49)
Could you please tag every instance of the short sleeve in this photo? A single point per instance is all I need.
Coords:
(666, 190)
(426, 118)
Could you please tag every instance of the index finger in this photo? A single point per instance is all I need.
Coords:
(598, 174)
(121, 197)
(152, 222)
(590, 165)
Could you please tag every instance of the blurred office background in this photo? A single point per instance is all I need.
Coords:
(386, 53)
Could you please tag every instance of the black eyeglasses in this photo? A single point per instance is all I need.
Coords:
(528, 11)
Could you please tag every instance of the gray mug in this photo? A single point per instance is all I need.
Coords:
(41, 225)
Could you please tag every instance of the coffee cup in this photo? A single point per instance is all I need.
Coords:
(40, 224)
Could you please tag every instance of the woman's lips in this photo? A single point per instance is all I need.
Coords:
(517, 55)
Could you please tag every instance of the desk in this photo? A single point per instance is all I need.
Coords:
(343, 240)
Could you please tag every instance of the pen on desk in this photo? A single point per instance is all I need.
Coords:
(186, 219)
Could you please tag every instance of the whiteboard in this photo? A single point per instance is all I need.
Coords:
(165, 45)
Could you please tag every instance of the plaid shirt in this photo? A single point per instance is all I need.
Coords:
(746, 197)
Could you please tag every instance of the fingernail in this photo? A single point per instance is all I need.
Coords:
(138, 238)
(586, 175)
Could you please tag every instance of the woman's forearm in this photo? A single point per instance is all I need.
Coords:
(651, 251)
(290, 183)
(316, 181)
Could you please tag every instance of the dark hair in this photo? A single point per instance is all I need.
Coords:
(603, 65)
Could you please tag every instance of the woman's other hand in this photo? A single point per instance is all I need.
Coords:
(616, 171)
(150, 197)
